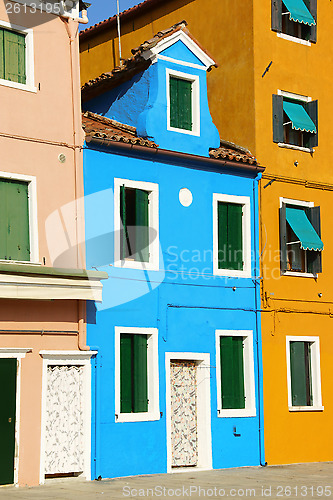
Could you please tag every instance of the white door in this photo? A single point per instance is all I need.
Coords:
(184, 431)
(64, 432)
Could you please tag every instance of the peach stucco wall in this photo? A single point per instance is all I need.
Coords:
(35, 128)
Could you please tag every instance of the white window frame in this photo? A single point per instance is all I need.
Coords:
(240, 200)
(195, 80)
(33, 220)
(249, 382)
(301, 98)
(315, 373)
(153, 213)
(153, 412)
(29, 59)
(297, 203)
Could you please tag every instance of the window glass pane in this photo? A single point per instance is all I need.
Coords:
(232, 372)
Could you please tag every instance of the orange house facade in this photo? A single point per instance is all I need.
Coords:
(44, 359)
(272, 95)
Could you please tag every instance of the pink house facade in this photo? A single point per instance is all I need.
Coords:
(44, 360)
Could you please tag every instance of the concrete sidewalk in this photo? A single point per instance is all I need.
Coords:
(275, 482)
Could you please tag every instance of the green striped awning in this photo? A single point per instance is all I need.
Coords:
(299, 12)
(304, 230)
(299, 118)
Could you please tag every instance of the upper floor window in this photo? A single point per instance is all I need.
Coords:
(300, 237)
(183, 102)
(12, 56)
(303, 365)
(295, 18)
(136, 224)
(136, 373)
(16, 57)
(295, 121)
(232, 238)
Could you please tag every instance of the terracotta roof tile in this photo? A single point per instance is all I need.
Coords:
(232, 152)
(128, 67)
(100, 127)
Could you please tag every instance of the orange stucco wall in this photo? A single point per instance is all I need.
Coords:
(241, 40)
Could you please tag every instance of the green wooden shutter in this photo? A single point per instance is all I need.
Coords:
(230, 236)
(14, 48)
(235, 236)
(232, 372)
(283, 238)
(276, 15)
(141, 226)
(312, 109)
(140, 374)
(185, 104)
(123, 229)
(174, 109)
(126, 373)
(313, 10)
(180, 103)
(14, 221)
(300, 373)
(222, 209)
(2, 54)
(314, 258)
(278, 134)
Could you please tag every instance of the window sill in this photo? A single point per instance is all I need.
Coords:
(232, 274)
(299, 275)
(194, 132)
(19, 86)
(134, 264)
(247, 412)
(298, 148)
(306, 408)
(138, 417)
(294, 39)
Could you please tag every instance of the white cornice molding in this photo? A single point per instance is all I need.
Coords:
(171, 40)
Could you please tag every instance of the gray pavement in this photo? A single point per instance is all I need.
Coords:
(275, 482)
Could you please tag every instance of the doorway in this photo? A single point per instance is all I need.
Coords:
(188, 411)
(8, 377)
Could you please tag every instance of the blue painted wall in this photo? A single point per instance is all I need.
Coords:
(142, 103)
(186, 306)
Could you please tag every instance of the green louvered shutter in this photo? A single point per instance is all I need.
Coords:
(180, 103)
(14, 49)
(2, 55)
(141, 226)
(174, 121)
(14, 221)
(230, 236)
(222, 235)
(123, 229)
(232, 372)
(185, 104)
(140, 376)
(126, 372)
(300, 367)
(235, 236)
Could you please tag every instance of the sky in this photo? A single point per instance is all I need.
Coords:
(102, 9)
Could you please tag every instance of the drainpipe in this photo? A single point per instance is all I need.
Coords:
(82, 335)
(84, 19)
(258, 328)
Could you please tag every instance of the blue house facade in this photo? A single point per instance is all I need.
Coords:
(177, 379)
